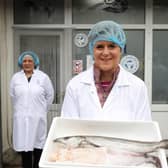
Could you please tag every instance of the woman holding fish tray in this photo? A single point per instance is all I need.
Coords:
(32, 93)
(106, 91)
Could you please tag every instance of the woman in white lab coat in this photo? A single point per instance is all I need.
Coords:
(32, 93)
(106, 91)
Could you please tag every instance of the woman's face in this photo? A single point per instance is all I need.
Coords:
(28, 64)
(106, 55)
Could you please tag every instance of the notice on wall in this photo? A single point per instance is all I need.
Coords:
(77, 66)
(130, 63)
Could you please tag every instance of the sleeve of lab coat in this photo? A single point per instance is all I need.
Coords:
(49, 91)
(143, 110)
(70, 105)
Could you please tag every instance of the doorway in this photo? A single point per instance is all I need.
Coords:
(48, 45)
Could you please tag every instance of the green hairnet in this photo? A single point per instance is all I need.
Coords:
(106, 31)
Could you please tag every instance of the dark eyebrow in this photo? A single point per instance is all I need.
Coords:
(99, 45)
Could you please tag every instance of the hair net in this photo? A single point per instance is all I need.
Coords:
(32, 54)
(106, 31)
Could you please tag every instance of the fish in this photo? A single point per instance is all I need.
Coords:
(109, 150)
(112, 142)
(99, 157)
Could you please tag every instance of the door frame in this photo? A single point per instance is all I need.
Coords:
(64, 61)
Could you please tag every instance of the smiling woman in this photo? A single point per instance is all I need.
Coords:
(106, 91)
(106, 57)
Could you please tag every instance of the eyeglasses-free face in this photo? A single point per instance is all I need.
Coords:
(28, 64)
(106, 55)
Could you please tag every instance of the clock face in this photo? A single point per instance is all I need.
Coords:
(81, 40)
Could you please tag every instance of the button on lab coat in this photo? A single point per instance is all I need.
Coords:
(31, 101)
(128, 99)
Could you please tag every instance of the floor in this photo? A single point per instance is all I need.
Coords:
(11, 159)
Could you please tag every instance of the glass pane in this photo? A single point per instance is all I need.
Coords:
(123, 11)
(134, 47)
(160, 11)
(160, 68)
(38, 11)
(80, 52)
(48, 50)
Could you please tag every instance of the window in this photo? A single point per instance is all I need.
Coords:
(38, 11)
(160, 67)
(47, 47)
(123, 11)
(160, 11)
(145, 24)
(135, 47)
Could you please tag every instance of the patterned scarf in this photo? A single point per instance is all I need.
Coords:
(104, 88)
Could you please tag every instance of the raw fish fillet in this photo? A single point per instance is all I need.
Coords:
(107, 151)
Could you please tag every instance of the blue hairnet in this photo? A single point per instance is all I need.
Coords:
(107, 31)
(32, 54)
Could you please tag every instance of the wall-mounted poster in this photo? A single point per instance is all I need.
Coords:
(130, 63)
(77, 66)
(81, 40)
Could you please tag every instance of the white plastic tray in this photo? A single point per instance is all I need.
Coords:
(137, 130)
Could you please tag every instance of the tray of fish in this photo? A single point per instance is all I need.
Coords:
(74, 143)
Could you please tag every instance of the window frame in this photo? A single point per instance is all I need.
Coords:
(148, 28)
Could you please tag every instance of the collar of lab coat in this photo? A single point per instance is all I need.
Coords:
(122, 79)
(34, 71)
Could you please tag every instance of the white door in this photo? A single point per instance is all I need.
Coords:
(48, 46)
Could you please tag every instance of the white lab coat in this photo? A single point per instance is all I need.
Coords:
(128, 99)
(31, 101)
